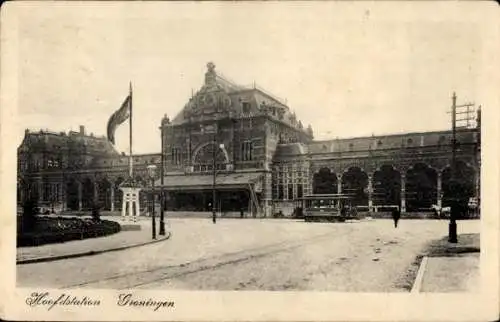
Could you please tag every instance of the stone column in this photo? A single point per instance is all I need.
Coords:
(403, 193)
(96, 193)
(370, 193)
(64, 195)
(339, 183)
(439, 184)
(137, 211)
(80, 195)
(112, 197)
(267, 194)
(124, 203)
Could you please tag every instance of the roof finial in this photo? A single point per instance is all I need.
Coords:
(210, 67)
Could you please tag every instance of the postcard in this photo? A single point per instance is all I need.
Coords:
(249, 161)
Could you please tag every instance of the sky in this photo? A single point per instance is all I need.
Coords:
(348, 69)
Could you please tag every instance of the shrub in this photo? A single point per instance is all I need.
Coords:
(60, 229)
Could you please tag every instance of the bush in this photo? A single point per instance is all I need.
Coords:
(60, 229)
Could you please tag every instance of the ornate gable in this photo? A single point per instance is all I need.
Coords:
(212, 98)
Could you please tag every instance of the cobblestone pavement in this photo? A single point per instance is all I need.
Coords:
(253, 254)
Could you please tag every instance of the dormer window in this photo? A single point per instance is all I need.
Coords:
(245, 107)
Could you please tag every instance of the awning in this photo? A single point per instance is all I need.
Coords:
(197, 182)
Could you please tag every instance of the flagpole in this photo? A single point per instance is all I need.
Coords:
(130, 160)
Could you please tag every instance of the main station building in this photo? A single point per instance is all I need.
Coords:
(262, 157)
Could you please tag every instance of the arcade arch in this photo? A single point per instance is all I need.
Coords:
(386, 186)
(104, 194)
(421, 187)
(324, 182)
(355, 181)
(87, 193)
(465, 176)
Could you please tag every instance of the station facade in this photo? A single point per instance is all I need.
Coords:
(248, 146)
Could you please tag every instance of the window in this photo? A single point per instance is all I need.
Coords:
(280, 192)
(300, 192)
(246, 107)
(290, 191)
(409, 141)
(176, 156)
(351, 146)
(379, 143)
(246, 151)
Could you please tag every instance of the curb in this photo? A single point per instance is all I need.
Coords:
(89, 253)
(417, 285)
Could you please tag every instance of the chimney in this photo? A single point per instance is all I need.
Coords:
(82, 130)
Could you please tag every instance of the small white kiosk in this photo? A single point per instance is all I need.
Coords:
(130, 205)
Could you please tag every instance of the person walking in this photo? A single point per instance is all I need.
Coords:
(396, 214)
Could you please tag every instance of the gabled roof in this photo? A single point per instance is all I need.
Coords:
(219, 94)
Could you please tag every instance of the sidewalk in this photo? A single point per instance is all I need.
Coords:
(92, 246)
(450, 267)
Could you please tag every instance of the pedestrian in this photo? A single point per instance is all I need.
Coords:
(396, 214)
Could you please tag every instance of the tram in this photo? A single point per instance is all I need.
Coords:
(329, 208)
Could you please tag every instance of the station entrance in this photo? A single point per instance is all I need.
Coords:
(234, 192)
(226, 201)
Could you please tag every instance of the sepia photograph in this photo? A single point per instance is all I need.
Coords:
(211, 148)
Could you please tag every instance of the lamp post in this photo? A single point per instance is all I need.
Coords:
(214, 173)
(162, 200)
(152, 172)
(452, 227)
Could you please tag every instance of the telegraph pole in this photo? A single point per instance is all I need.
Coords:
(452, 229)
(455, 187)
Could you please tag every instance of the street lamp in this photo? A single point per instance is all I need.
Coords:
(452, 227)
(152, 173)
(162, 200)
(214, 163)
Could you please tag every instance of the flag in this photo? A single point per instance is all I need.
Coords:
(118, 117)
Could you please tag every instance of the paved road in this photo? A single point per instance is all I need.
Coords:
(252, 254)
